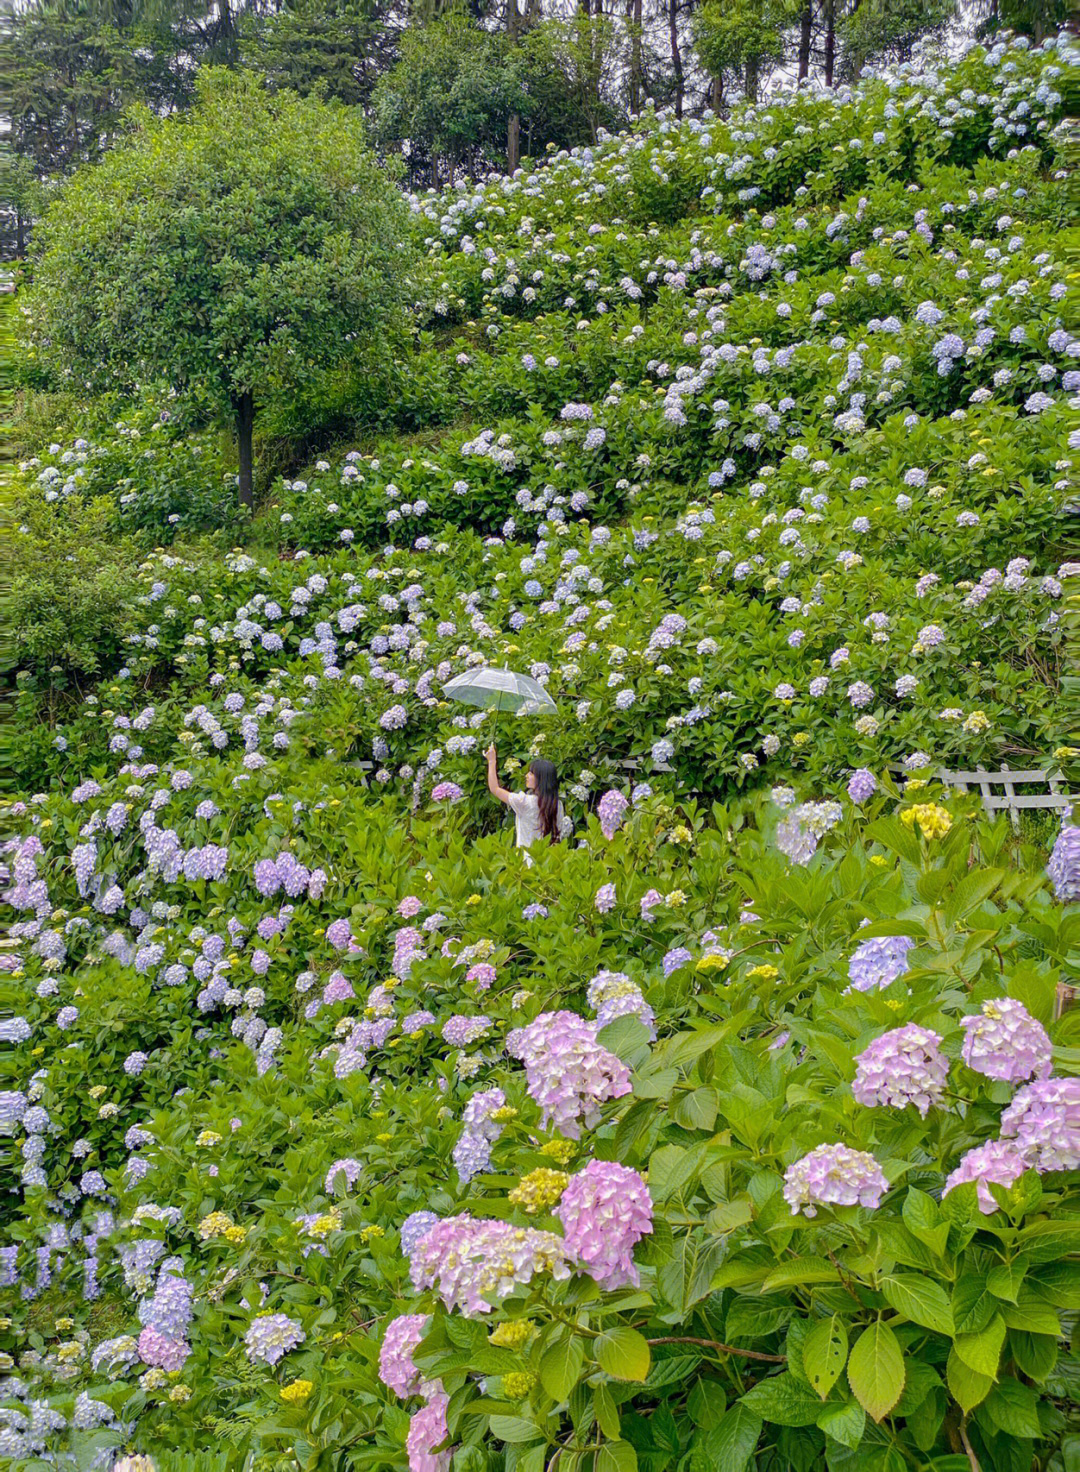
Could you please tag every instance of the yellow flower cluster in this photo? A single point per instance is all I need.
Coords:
(540, 1189)
(296, 1391)
(504, 1115)
(933, 820)
(180, 1393)
(517, 1384)
(323, 1225)
(207, 1138)
(560, 1151)
(765, 973)
(368, 1234)
(217, 1224)
(512, 1335)
(712, 963)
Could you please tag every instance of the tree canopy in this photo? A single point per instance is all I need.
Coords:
(236, 248)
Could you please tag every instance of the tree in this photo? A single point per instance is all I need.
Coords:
(450, 97)
(742, 36)
(887, 30)
(338, 47)
(235, 249)
(572, 71)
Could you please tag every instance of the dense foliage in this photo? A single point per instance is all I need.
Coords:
(740, 1132)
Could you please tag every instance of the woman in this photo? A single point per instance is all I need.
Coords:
(538, 813)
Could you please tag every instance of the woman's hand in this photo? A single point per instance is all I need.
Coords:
(490, 753)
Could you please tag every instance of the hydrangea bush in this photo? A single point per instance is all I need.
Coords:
(742, 1131)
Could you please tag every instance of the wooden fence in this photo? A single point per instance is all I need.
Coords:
(999, 790)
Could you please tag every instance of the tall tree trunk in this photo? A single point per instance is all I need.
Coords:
(716, 94)
(676, 54)
(751, 78)
(830, 41)
(633, 15)
(245, 424)
(806, 27)
(513, 128)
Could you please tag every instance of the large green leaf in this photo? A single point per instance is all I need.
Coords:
(876, 1370)
(919, 1299)
(981, 1352)
(844, 1423)
(782, 1400)
(731, 1444)
(623, 1354)
(966, 1385)
(560, 1366)
(824, 1354)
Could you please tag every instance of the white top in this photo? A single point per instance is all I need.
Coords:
(526, 806)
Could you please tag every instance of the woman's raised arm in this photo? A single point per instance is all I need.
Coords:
(493, 776)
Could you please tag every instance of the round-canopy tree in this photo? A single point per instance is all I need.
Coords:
(236, 248)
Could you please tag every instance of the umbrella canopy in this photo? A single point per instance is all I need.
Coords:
(500, 690)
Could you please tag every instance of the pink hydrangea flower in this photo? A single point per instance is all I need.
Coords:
(1005, 1042)
(833, 1175)
(998, 1161)
(1044, 1118)
(427, 1430)
(904, 1066)
(605, 1211)
(567, 1072)
(396, 1368)
(473, 1264)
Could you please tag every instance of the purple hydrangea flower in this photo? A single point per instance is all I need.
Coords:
(997, 1161)
(605, 1211)
(1064, 866)
(271, 1337)
(862, 786)
(1044, 1120)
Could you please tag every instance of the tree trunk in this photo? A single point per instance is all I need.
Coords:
(830, 41)
(513, 128)
(751, 78)
(634, 16)
(245, 423)
(806, 26)
(716, 94)
(676, 55)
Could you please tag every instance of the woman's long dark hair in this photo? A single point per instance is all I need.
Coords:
(547, 796)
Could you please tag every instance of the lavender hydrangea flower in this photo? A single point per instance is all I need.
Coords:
(877, 962)
(605, 1211)
(610, 810)
(904, 1066)
(1044, 1119)
(1005, 1042)
(862, 786)
(413, 1229)
(1064, 866)
(271, 1337)
(833, 1175)
(428, 1429)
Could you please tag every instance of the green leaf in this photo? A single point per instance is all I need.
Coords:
(607, 1415)
(966, 1385)
(514, 1429)
(824, 1353)
(616, 1456)
(919, 1299)
(696, 1111)
(623, 1354)
(845, 1424)
(687, 1278)
(731, 1444)
(729, 1215)
(876, 1370)
(923, 1219)
(783, 1401)
(801, 1270)
(560, 1366)
(655, 1085)
(1031, 1313)
(981, 1352)
(1013, 1408)
(1004, 1280)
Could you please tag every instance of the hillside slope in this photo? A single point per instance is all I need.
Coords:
(752, 443)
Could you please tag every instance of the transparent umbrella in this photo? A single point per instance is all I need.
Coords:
(500, 690)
